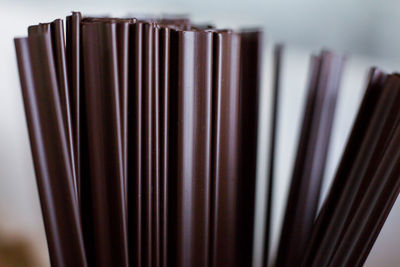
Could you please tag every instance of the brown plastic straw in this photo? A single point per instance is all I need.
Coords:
(164, 51)
(370, 99)
(278, 51)
(156, 147)
(135, 130)
(192, 146)
(382, 143)
(50, 150)
(79, 126)
(172, 147)
(249, 91)
(289, 217)
(123, 56)
(104, 144)
(144, 137)
(149, 139)
(301, 151)
(225, 148)
(370, 145)
(388, 129)
(374, 208)
(310, 161)
(72, 52)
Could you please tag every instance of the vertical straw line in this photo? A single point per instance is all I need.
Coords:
(156, 150)
(193, 126)
(72, 52)
(148, 83)
(135, 129)
(249, 92)
(277, 67)
(225, 140)
(164, 136)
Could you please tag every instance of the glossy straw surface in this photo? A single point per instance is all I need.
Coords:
(374, 208)
(370, 99)
(192, 147)
(249, 92)
(277, 65)
(135, 154)
(164, 86)
(50, 150)
(72, 52)
(368, 147)
(104, 143)
(310, 161)
(225, 140)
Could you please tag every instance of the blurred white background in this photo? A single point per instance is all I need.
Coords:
(365, 30)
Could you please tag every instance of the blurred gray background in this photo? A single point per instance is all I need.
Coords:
(365, 30)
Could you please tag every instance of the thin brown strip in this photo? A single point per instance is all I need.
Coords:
(193, 149)
(278, 51)
(164, 137)
(225, 149)
(249, 92)
(135, 146)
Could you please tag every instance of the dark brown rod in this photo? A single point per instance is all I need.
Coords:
(104, 144)
(289, 217)
(123, 56)
(172, 146)
(50, 150)
(159, 133)
(225, 140)
(373, 209)
(156, 146)
(249, 91)
(164, 58)
(192, 147)
(310, 164)
(369, 146)
(278, 51)
(371, 96)
(79, 126)
(135, 146)
(148, 112)
(72, 52)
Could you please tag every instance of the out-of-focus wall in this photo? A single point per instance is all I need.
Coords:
(364, 29)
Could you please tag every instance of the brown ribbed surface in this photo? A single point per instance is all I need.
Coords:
(144, 138)
(193, 148)
(225, 149)
(50, 150)
(104, 143)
